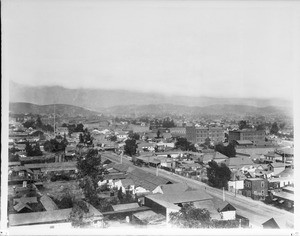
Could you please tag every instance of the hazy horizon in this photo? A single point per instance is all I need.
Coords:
(184, 48)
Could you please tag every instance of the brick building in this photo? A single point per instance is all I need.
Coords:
(256, 188)
(200, 134)
(256, 136)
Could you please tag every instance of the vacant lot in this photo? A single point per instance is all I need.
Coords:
(59, 188)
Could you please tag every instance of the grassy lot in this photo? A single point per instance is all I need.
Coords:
(59, 188)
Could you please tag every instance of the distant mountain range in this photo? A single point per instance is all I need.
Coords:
(61, 109)
(92, 101)
(152, 109)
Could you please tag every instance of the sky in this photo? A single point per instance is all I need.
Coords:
(193, 48)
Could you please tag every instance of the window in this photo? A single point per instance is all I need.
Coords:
(262, 184)
(262, 192)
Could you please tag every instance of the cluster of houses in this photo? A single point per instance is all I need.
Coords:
(268, 176)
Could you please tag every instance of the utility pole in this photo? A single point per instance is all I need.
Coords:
(54, 119)
(235, 184)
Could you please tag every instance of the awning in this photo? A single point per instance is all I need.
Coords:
(281, 201)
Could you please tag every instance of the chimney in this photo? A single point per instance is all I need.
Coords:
(156, 170)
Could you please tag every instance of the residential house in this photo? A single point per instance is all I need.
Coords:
(239, 163)
(175, 188)
(276, 167)
(48, 203)
(167, 203)
(148, 218)
(277, 223)
(50, 218)
(256, 188)
(146, 147)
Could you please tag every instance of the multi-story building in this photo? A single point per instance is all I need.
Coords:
(256, 136)
(200, 134)
(178, 131)
(256, 188)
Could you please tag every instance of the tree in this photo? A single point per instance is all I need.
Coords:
(185, 145)
(243, 124)
(79, 209)
(260, 127)
(81, 140)
(218, 175)
(274, 128)
(33, 150)
(158, 134)
(113, 138)
(168, 123)
(89, 189)
(38, 122)
(130, 147)
(228, 150)
(90, 165)
(29, 123)
(135, 136)
(191, 217)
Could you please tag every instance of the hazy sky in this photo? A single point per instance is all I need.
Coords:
(231, 49)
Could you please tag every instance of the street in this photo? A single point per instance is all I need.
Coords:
(256, 211)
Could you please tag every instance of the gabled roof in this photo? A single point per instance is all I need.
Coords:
(270, 224)
(112, 176)
(121, 167)
(184, 197)
(127, 182)
(146, 180)
(25, 200)
(238, 162)
(209, 205)
(277, 164)
(48, 203)
(20, 206)
(176, 188)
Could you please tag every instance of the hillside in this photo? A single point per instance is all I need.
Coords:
(171, 109)
(98, 99)
(60, 109)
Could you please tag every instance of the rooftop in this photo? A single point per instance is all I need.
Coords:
(145, 179)
(184, 197)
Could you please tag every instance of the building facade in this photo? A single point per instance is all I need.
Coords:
(255, 136)
(200, 134)
(256, 188)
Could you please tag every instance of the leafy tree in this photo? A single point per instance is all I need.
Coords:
(260, 127)
(113, 138)
(243, 124)
(90, 165)
(33, 150)
(168, 123)
(79, 128)
(79, 209)
(130, 147)
(274, 128)
(29, 123)
(135, 136)
(158, 134)
(191, 217)
(38, 122)
(89, 189)
(218, 175)
(228, 150)
(53, 145)
(282, 125)
(185, 145)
